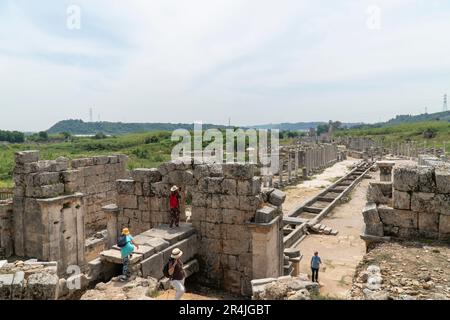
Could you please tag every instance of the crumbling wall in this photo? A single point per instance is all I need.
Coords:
(420, 205)
(6, 229)
(225, 199)
(39, 183)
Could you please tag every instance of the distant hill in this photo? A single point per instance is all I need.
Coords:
(119, 128)
(298, 126)
(407, 118)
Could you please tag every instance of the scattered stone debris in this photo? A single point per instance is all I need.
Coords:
(136, 289)
(403, 271)
(284, 288)
(323, 229)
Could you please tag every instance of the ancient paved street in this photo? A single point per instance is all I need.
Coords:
(340, 254)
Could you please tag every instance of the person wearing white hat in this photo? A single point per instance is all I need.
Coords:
(176, 272)
(174, 204)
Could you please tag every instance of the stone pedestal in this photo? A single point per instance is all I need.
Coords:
(112, 223)
(385, 170)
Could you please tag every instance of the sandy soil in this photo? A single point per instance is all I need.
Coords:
(296, 195)
(340, 254)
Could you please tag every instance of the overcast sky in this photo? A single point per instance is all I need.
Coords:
(255, 61)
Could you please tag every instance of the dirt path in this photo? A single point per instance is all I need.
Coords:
(340, 254)
(296, 195)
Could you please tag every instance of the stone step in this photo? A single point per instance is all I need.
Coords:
(114, 256)
(170, 235)
(294, 220)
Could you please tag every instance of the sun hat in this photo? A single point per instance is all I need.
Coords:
(174, 188)
(125, 231)
(176, 253)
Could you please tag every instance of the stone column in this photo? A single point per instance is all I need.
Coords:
(385, 170)
(289, 167)
(112, 223)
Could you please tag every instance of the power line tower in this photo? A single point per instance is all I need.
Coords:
(445, 107)
(90, 115)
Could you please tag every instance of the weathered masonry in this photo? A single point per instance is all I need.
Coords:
(415, 204)
(71, 212)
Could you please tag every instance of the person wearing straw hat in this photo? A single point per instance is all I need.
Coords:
(176, 272)
(174, 204)
(126, 244)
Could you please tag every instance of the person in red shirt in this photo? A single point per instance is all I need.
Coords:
(174, 204)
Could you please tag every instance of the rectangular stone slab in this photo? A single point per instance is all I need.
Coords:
(114, 256)
(171, 235)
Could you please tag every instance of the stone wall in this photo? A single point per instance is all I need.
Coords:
(6, 229)
(419, 207)
(94, 177)
(226, 199)
(57, 203)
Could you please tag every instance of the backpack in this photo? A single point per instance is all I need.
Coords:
(122, 241)
(166, 270)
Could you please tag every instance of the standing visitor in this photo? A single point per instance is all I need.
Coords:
(126, 245)
(174, 204)
(315, 265)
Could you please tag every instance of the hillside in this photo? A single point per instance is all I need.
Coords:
(412, 131)
(119, 128)
(302, 126)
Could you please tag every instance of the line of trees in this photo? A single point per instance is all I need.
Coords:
(12, 136)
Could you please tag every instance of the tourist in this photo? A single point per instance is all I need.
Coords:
(315, 265)
(176, 272)
(174, 202)
(126, 244)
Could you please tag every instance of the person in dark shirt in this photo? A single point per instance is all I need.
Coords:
(177, 274)
(174, 204)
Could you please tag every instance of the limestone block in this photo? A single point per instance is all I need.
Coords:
(26, 156)
(17, 286)
(249, 203)
(188, 246)
(229, 186)
(143, 203)
(375, 229)
(72, 176)
(441, 203)
(379, 192)
(157, 243)
(277, 197)
(235, 232)
(127, 201)
(113, 159)
(231, 216)
(174, 177)
(442, 181)
(406, 178)
(84, 162)
(214, 215)
(423, 202)
(370, 214)
(428, 224)
(146, 175)
(125, 186)
(232, 281)
(212, 230)
(42, 286)
(6, 281)
(46, 178)
(58, 165)
(201, 171)
(100, 160)
(114, 256)
(201, 199)
(235, 247)
(401, 200)
(214, 184)
(398, 218)
(153, 266)
(170, 235)
(188, 178)
(444, 226)
(215, 170)
(265, 214)
(238, 170)
(51, 191)
(160, 189)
